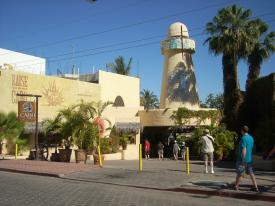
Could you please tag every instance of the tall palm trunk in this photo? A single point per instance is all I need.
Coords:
(253, 74)
(232, 94)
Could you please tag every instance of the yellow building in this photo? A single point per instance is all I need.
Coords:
(58, 93)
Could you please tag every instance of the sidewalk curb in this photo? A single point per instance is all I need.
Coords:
(32, 173)
(190, 190)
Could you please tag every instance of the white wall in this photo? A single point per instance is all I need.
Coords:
(23, 62)
(113, 85)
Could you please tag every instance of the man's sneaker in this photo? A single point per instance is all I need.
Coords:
(206, 171)
(212, 172)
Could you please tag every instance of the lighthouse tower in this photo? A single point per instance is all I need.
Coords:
(178, 79)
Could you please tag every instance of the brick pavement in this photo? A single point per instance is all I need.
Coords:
(33, 190)
(158, 175)
(45, 168)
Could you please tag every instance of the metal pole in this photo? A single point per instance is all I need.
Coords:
(16, 151)
(36, 128)
(140, 157)
(99, 156)
(187, 161)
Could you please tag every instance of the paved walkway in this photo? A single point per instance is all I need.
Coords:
(166, 175)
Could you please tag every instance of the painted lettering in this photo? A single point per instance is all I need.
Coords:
(19, 80)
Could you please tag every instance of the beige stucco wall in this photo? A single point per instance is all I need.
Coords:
(56, 92)
(113, 85)
(161, 117)
(124, 114)
(189, 100)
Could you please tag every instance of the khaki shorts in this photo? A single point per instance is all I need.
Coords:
(208, 155)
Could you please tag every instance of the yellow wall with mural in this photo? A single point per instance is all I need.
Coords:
(56, 92)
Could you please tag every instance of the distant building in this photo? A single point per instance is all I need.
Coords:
(22, 62)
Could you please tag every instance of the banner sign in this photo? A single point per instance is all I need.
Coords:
(26, 111)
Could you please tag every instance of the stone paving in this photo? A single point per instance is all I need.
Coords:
(32, 190)
(167, 175)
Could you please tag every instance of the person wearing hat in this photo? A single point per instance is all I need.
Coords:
(207, 150)
(176, 150)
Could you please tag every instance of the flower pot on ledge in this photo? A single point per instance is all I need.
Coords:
(80, 156)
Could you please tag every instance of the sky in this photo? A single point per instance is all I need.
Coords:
(91, 35)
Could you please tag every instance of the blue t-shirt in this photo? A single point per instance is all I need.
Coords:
(247, 142)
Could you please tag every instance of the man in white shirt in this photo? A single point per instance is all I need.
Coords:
(207, 149)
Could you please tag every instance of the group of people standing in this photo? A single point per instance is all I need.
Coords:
(160, 147)
(244, 155)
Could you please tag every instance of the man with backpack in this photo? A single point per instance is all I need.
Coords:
(207, 150)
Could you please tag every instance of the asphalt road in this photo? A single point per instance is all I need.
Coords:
(28, 190)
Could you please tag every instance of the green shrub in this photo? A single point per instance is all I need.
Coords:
(105, 146)
(223, 144)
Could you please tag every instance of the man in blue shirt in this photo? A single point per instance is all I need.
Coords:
(244, 159)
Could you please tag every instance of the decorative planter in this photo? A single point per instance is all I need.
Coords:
(80, 156)
(55, 157)
(65, 155)
(124, 146)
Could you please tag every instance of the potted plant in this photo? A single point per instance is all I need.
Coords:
(123, 141)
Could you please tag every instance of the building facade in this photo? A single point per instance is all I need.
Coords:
(58, 93)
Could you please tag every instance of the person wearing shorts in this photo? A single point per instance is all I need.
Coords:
(244, 159)
(207, 150)
(160, 150)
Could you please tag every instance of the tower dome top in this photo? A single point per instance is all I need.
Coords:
(178, 29)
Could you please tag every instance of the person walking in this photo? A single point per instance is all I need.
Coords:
(147, 149)
(244, 159)
(207, 150)
(175, 150)
(182, 150)
(160, 150)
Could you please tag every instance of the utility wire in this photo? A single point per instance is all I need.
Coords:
(101, 52)
(123, 43)
(85, 18)
(122, 27)
(118, 49)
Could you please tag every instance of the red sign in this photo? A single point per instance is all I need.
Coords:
(26, 111)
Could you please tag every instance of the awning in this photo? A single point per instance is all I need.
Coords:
(29, 127)
(131, 127)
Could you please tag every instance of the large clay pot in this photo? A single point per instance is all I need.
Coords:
(80, 156)
(65, 155)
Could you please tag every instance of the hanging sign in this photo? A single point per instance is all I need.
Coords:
(26, 111)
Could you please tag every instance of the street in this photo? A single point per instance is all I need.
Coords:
(21, 189)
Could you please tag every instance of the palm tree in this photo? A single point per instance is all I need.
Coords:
(232, 35)
(149, 100)
(261, 52)
(120, 67)
(10, 127)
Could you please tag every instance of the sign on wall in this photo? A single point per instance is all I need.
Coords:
(26, 111)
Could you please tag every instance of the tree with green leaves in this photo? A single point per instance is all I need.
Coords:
(120, 67)
(148, 99)
(213, 101)
(232, 34)
(262, 50)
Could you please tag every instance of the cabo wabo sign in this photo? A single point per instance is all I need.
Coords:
(26, 111)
